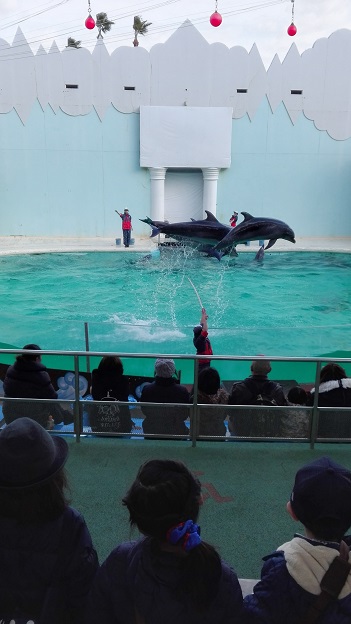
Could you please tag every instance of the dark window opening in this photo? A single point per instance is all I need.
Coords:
(296, 91)
(241, 90)
(71, 86)
(129, 88)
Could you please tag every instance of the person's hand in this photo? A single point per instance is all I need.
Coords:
(204, 315)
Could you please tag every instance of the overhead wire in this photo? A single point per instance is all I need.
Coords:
(125, 35)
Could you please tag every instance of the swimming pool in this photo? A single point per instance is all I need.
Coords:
(291, 304)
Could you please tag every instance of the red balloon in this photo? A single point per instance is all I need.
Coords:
(292, 30)
(215, 19)
(90, 23)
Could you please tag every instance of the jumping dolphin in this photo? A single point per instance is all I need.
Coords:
(253, 228)
(203, 234)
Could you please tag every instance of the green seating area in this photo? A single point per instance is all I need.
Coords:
(245, 487)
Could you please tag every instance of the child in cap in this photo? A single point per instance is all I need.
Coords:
(291, 576)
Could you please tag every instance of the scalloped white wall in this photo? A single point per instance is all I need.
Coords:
(69, 157)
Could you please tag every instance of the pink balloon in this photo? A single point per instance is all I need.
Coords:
(215, 19)
(90, 23)
(292, 30)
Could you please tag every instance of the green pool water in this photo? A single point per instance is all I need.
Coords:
(292, 304)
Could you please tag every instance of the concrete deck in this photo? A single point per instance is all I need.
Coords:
(10, 245)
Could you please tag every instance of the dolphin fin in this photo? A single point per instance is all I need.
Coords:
(211, 217)
(260, 254)
(271, 243)
(247, 216)
(214, 253)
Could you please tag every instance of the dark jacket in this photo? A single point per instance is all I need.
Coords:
(52, 564)
(333, 393)
(251, 423)
(135, 576)
(211, 420)
(113, 417)
(290, 581)
(160, 419)
(28, 379)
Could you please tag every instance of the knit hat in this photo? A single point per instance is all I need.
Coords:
(164, 368)
(29, 455)
(261, 367)
(322, 494)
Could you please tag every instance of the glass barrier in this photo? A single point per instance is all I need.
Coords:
(74, 411)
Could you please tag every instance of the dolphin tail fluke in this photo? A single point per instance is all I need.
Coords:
(147, 220)
(271, 243)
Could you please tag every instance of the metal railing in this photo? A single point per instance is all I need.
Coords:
(194, 407)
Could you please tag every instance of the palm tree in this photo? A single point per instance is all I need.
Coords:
(103, 24)
(73, 43)
(140, 27)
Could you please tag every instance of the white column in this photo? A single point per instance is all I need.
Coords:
(157, 177)
(209, 201)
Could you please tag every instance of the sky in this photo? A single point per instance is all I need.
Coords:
(245, 22)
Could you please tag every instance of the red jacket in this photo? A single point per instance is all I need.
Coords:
(126, 222)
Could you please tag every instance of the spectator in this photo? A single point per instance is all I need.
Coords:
(334, 391)
(289, 591)
(165, 389)
(256, 390)
(296, 423)
(109, 384)
(47, 558)
(211, 420)
(201, 341)
(29, 378)
(170, 574)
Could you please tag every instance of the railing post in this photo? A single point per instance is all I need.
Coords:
(194, 417)
(76, 409)
(86, 332)
(315, 412)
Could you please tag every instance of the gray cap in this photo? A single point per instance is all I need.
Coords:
(261, 367)
(164, 368)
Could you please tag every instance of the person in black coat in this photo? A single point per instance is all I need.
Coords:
(165, 389)
(109, 384)
(334, 391)
(29, 378)
(47, 558)
(255, 422)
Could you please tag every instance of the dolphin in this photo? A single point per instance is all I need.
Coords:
(253, 228)
(203, 234)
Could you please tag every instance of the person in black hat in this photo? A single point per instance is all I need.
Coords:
(47, 558)
(291, 576)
